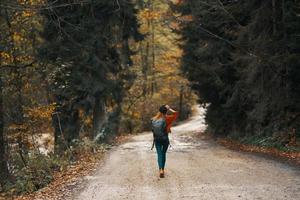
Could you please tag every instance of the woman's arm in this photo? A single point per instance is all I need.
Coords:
(173, 117)
(170, 109)
(170, 118)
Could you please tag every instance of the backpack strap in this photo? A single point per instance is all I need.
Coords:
(153, 137)
(152, 145)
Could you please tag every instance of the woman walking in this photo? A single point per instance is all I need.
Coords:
(161, 127)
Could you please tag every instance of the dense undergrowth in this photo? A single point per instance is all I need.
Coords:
(35, 170)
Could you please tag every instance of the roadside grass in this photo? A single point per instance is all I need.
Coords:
(270, 142)
(272, 146)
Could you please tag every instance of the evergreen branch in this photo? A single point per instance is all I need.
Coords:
(228, 42)
(214, 35)
(17, 66)
(228, 13)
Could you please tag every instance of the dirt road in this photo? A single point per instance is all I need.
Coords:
(195, 169)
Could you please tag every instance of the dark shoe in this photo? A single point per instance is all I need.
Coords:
(161, 175)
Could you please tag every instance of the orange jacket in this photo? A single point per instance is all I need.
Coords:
(169, 120)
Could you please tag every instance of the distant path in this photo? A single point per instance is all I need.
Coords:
(195, 169)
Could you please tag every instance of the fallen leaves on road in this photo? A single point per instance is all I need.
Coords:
(64, 182)
(235, 145)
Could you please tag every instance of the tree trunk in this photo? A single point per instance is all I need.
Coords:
(283, 18)
(98, 115)
(147, 65)
(3, 161)
(65, 121)
(181, 102)
(114, 119)
(274, 17)
(144, 68)
(140, 4)
(153, 83)
(58, 141)
(19, 103)
(147, 54)
(125, 54)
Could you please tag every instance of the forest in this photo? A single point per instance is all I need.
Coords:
(75, 74)
(243, 60)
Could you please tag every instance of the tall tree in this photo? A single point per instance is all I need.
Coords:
(3, 161)
(239, 56)
(90, 54)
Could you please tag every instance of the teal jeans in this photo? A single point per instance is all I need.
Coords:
(161, 150)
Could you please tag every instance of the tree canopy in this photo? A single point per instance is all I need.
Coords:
(243, 59)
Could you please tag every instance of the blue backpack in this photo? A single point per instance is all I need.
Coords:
(159, 130)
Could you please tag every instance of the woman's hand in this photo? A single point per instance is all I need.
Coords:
(169, 108)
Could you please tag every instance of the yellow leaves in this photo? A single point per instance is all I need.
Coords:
(7, 58)
(147, 15)
(150, 15)
(86, 119)
(136, 115)
(38, 120)
(169, 61)
(40, 112)
(172, 55)
(27, 14)
(4, 56)
(177, 2)
(65, 179)
(17, 37)
(187, 18)
(160, 81)
(17, 127)
(18, 42)
(24, 58)
(31, 2)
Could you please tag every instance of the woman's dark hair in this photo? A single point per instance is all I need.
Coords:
(163, 109)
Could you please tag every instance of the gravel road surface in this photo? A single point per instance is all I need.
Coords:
(195, 169)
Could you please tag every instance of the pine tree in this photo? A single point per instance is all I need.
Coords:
(88, 58)
(241, 57)
(207, 59)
